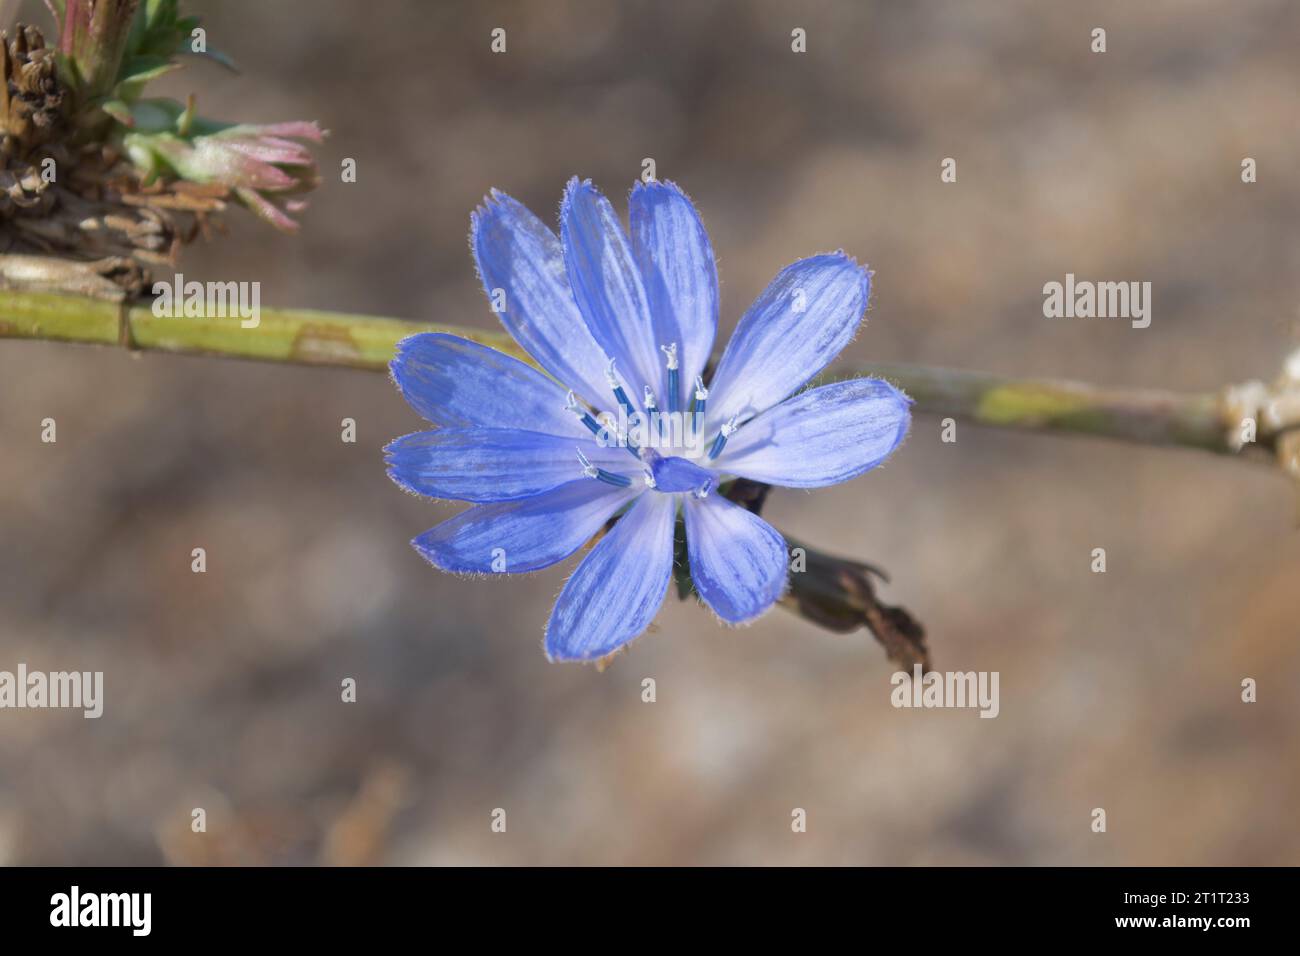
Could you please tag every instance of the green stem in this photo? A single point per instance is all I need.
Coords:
(1146, 416)
(1141, 415)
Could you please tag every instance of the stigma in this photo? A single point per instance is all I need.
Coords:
(584, 416)
(600, 474)
(617, 388)
(701, 405)
(720, 442)
(674, 397)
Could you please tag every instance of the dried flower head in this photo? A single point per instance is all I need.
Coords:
(89, 170)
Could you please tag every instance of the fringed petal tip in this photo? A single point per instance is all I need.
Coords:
(463, 574)
(600, 661)
(492, 200)
(577, 182)
(744, 622)
(657, 186)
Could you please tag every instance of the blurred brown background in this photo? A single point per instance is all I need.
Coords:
(1118, 691)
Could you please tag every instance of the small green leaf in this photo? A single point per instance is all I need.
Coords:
(185, 122)
(120, 110)
(215, 55)
(141, 69)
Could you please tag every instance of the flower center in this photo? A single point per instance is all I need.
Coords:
(641, 433)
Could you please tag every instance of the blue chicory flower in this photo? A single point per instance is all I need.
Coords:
(625, 424)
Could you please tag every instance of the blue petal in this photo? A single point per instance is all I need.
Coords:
(607, 287)
(524, 535)
(738, 560)
(672, 474)
(680, 275)
(519, 255)
(823, 436)
(791, 332)
(455, 382)
(618, 588)
(494, 464)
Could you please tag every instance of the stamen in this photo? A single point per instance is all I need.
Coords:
(674, 396)
(721, 441)
(703, 490)
(654, 421)
(584, 416)
(649, 478)
(618, 390)
(701, 403)
(600, 474)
